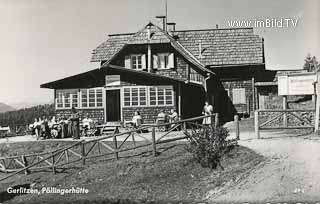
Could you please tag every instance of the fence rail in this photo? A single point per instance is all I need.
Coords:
(108, 145)
(275, 119)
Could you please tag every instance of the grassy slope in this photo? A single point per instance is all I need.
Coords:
(172, 176)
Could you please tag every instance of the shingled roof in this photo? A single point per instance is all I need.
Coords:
(219, 47)
(223, 46)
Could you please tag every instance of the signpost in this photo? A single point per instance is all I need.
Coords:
(298, 84)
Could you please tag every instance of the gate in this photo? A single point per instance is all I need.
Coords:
(283, 119)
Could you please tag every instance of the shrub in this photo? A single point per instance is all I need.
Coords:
(207, 145)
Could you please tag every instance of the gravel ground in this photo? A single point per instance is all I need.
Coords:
(290, 173)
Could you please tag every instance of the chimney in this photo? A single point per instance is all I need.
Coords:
(171, 27)
(217, 26)
(162, 20)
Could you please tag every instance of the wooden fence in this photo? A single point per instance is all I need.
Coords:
(282, 119)
(110, 145)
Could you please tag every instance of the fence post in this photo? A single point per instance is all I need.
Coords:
(83, 153)
(115, 147)
(285, 104)
(53, 161)
(25, 163)
(236, 121)
(256, 124)
(216, 120)
(154, 147)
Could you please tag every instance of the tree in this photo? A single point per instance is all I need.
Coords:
(311, 64)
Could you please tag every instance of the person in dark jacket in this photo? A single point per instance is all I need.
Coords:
(75, 124)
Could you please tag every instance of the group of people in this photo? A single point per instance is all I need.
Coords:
(162, 117)
(60, 128)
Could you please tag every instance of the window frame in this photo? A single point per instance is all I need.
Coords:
(130, 96)
(233, 96)
(164, 96)
(71, 94)
(79, 98)
(166, 60)
(147, 96)
(135, 56)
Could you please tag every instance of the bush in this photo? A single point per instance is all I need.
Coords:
(207, 145)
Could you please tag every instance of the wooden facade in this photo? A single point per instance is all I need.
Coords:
(153, 70)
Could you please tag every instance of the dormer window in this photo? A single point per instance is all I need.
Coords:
(163, 61)
(136, 61)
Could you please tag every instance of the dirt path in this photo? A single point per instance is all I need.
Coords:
(290, 173)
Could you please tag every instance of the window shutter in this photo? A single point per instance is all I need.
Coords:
(143, 59)
(127, 61)
(155, 61)
(171, 61)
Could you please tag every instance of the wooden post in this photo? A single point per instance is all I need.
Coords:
(179, 100)
(116, 154)
(253, 96)
(216, 120)
(256, 124)
(236, 121)
(317, 116)
(133, 139)
(284, 104)
(154, 147)
(53, 161)
(83, 154)
(25, 163)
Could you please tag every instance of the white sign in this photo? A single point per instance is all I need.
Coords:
(296, 84)
(112, 80)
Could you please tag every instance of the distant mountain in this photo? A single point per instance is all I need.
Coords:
(4, 108)
(21, 105)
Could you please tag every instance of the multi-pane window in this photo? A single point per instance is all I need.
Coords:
(83, 98)
(135, 96)
(67, 98)
(143, 96)
(160, 96)
(239, 96)
(136, 61)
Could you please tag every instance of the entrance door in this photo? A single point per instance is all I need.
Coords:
(113, 105)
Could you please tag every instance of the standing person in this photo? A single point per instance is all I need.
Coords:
(75, 124)
(36, 127)
(207, 110)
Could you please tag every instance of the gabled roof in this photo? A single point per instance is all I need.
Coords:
(157, 36)
(219, 47)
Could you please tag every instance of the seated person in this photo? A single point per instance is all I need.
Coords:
(136, 120)
(87, 123)
(173, 116)
(162, 117)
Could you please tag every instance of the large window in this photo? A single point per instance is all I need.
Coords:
(83, 98)
(67, 98)
(144, 96)
(163, 61)
(135, 96)
(161, 96)
(239, 96)
(91, 98)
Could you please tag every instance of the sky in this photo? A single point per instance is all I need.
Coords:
(46, 40)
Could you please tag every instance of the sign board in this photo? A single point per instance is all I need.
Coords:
(112, 80)
(302, 84)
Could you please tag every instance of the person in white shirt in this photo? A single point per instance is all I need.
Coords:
(207, 110)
